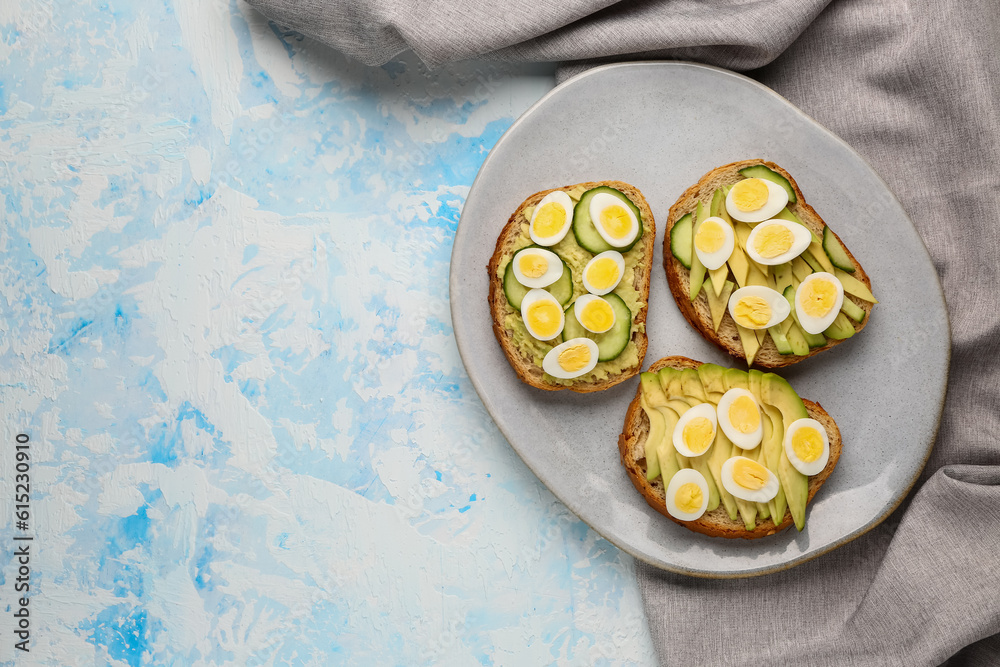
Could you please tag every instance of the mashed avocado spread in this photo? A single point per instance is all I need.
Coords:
(576, 258)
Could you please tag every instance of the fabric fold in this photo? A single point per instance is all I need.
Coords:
(732, 34)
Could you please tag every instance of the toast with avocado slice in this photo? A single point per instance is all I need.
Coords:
(705, 295)
(675, 385)
(621, 238)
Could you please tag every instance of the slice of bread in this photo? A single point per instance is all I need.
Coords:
(697, 313)
(513, 237)
(632, 448)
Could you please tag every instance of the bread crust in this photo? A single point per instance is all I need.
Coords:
(631, 448)
(698, 313)
(525, 368)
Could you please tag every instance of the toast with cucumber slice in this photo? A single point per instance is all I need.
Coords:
(676, 386)
(555, 228)
(777, 242)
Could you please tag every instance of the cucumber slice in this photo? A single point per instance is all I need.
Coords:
(813, 340)
(561, 289)
(797, 341)
(610, 343)
(583, 227)
(760, 171)
(514, 290)
(841, 328)
(835, 251)
(681, 240)
(853, 310)
(780, 340)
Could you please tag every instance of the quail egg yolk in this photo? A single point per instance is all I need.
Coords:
(688, 497)
(750, 474)
(818, 297)
(574, 358)
(603, 273)
(549, 219)
(698, 434)
(752, 311)
(750, 194)
(744, 415)
(616, 222)
(807, 443)
(543, 316)
(772, 241)
(709, 237)
(532, 266)
(597, 315)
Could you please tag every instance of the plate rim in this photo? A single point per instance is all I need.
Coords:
(464, 352)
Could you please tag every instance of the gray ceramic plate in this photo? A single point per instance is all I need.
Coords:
(661, 126)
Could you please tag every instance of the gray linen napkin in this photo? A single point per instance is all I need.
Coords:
(914, 86)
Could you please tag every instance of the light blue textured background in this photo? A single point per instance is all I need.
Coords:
(224, 323)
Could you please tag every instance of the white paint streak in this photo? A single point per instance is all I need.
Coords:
(200, 163)
(197, 443)
(209, 37)
(119, 496)
(270, 54)
(138, 36)
(303, 435)
(100, 443)
(342, 417)
(399, 470)
(185, 485)
(47, 243)
(175, 601)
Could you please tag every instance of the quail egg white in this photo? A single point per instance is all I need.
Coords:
(807, 446)
(755, 200)
(687, 495)
(594, 313)
(603, 273)
(714, 242)
(818, 300)
(695, 430)
(551, 218)
(739, 418)
(542, 314)
(614, 219)
(571, 359)
(758, 307)
(748, 480)
(537, 267)
(777, 241)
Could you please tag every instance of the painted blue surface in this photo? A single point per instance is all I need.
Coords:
(225, 327)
